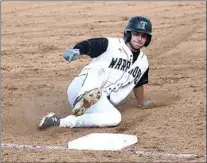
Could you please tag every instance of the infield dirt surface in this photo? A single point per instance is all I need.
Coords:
(35, 78)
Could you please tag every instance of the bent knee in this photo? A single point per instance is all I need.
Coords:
(72, 94)
(114, 119)
(117, 119)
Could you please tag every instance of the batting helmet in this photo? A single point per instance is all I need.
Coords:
(138, 24)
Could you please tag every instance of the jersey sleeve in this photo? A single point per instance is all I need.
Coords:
(144, 79)
(93, 47)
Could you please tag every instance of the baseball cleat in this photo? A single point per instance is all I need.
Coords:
(49, 120)
(83, 102)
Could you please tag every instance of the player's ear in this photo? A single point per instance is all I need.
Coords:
(127, 36)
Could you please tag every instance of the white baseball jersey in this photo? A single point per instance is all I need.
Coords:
(122, 73)
(115, 70)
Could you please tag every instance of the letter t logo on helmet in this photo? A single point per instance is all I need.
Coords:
(139, 24)
(143, 24)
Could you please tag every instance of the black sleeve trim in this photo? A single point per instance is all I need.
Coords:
(93, 47)
(144, 79)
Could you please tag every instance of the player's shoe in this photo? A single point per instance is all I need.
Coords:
(84, 101)
(49, 120)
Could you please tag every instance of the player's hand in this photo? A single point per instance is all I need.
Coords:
(147, 105)
(71, 54)
(147, 102)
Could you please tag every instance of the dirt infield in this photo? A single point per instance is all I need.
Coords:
(35, 78)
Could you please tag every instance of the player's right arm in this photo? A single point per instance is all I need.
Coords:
(93, 47)
(139, 89)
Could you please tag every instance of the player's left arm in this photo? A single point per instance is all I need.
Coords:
(139, 89)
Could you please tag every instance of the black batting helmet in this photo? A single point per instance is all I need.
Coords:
(138, 24)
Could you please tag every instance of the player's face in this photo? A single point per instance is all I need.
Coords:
(138, 40)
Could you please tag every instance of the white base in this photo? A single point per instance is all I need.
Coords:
(102, 141)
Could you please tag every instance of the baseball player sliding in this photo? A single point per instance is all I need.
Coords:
(118, 67)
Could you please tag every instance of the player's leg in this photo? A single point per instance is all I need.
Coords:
(101, 114)
(85, 82)
(74, 88)
(51, 119)
(85, 90)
